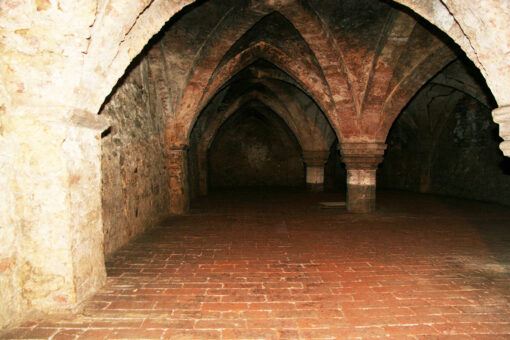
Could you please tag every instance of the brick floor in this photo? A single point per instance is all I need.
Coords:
(273, 265)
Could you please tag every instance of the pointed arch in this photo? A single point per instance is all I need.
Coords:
(308, 139)
(332, 74)
(120, 28)
(265, 51)
(405, 90)
(328, 53)
(114, 43)
(392, 44)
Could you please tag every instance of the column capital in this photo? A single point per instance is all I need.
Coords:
(315, 157)
(362, 155)
(501, 116)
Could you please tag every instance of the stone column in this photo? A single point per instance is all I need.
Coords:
(501, 116)
(178, 173)
(51, 214)
(314, 161)
(361, 160)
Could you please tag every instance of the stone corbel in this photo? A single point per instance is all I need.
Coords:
(90, 121)
(501, 116)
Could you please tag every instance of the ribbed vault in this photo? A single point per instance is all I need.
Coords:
(360, 77)
(260, 85)
(358, 62)
(254, 147)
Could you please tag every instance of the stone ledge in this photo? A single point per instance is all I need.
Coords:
(61, 116)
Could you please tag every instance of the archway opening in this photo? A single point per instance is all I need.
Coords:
(254, 149)
(294, 122)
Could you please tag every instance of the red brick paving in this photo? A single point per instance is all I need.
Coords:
(273, 265)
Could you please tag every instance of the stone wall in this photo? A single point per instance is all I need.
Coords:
(11, 301)
(135, 180)
(445, 142)
(251, 153)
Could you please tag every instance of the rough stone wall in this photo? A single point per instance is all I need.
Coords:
(52, 256)
(446, 142)
(135, 180)
(11, 300)
(250, 153)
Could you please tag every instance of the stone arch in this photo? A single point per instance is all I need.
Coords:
(289, 165)
(141, 20)
(309, 136)
(251, 100)
(325, 48)
(273, 55)
(472, 26)
(402, 93)
(100, 40)
(316, 36)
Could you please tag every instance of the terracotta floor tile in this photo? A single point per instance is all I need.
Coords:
(274, 265)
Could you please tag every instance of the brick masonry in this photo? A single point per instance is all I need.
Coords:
(276, 266)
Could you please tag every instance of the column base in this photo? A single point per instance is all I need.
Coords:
(361, 160)
(361, 190)
(314, 163)
(361, 198)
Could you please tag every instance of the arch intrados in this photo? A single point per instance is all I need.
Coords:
(235, 106)
(271, 74)
(142, 30)
(261, 109)
(281, 91)
(272, 83)
(277, 88)
(282, 8)
(247, 57)
(273, 102)
(259, 84)
(427, 69)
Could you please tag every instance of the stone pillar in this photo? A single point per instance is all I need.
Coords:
(178, 173)
(501, 116)
(52, 217)
(314, 161)
(361, 160)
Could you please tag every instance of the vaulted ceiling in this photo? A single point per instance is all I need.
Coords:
(357, 62)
